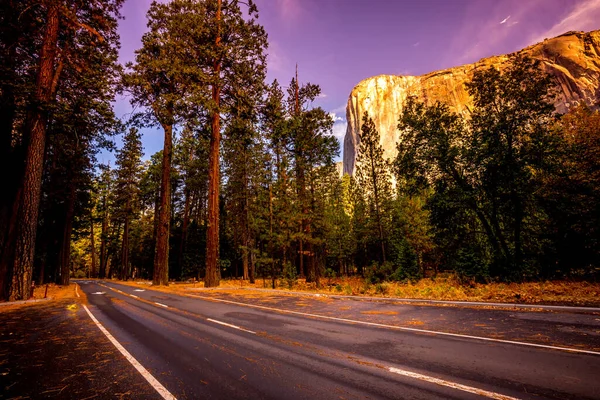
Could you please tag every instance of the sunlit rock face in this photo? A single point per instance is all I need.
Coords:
(573, 59)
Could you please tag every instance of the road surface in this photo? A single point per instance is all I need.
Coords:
(200, 348)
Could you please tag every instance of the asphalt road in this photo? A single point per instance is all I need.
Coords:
(209, 349)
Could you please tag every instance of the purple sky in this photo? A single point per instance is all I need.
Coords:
(338, 43)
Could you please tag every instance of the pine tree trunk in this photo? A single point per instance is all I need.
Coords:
(22, 266)
(65, 252)
(184, 228)
(125, 251)
(103, 255)
(252, 271)
(161, 257)
(245, 219)
(245, 260)
(211, 279)
(271, 249)
(93, 245)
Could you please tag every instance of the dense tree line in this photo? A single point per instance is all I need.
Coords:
(246, 184)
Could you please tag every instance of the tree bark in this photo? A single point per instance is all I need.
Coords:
(125, 251)
(211, 279)
(37, 118)
(65, 252)
(93, 273)
(161, 256)
(184, 228)
(103, 255)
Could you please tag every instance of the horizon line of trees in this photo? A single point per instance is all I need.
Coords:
(246, 184)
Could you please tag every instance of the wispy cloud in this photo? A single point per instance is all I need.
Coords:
(584, 16)
(289, 9)
(514, 24)
(277, 62)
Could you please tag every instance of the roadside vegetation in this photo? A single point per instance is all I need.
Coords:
(446, 287)
(246, 184)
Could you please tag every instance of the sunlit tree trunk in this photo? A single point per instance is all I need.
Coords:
(211, 278)
(22, 265)
(93, 273)
(161, 257)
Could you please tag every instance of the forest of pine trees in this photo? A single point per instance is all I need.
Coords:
(246, 184)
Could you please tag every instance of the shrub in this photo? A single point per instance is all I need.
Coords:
(290, 275)
(378, 273)
(381, 288)
(469, 266)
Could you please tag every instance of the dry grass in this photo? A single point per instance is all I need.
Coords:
(448, 288)
(55, 292)
(379, 312)
(550, 292)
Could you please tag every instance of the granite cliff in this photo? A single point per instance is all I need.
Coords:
(572, 58)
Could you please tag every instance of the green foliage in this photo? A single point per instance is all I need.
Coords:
(290, 275)
(470, 266)
(484, 170)
(373, 186)
(377, 272)
(406, 262)
(570, 196)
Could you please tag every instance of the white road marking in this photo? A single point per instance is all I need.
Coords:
(403, 328)
(229, 325)
(76, 292)
(449, 384)
(99, 293)
(134, 296)
(139, 290)
(165, 394)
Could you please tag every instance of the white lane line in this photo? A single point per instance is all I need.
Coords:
(134, 296)
(449, 384)
(229, 325)
(403, 328)
(76, 292)
(165, 394)
(139, 290)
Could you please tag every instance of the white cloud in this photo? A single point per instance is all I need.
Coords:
(505, 20)
(339, 131)
(335, 117)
